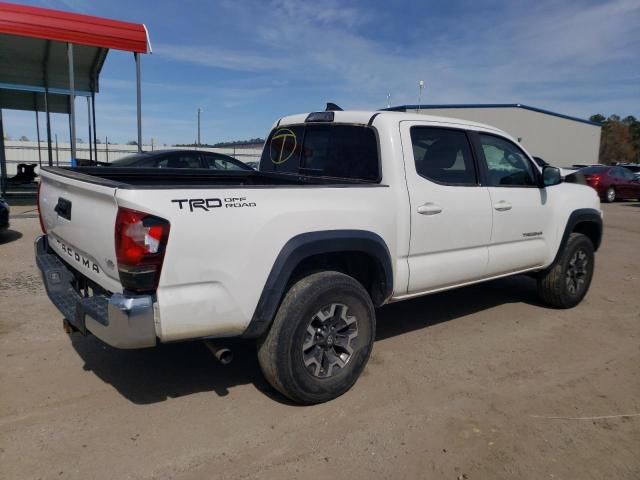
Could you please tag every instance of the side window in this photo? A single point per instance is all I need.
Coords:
(443, 155)
(217, 162)
(507, 165)
(148, 163)
(621, 174)
(180, 160)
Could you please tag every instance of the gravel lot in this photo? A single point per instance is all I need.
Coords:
(477, 383)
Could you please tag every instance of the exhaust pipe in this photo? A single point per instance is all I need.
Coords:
(222, 354)
(67, 327)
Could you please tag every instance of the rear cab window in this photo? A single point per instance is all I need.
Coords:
(323, 150)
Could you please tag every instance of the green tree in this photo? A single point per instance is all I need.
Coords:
(598, 118)
(616, 144)
(634, 130)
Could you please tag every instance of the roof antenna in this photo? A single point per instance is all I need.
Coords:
(332, 107)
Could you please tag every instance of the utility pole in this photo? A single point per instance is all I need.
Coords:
(199, 112)
(389, 100)
(421, 87)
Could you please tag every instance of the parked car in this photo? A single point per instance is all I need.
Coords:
(612, 182)
(181, 159)
(4, 215)
(348, 211)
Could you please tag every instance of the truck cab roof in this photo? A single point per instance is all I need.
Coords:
(367, 117)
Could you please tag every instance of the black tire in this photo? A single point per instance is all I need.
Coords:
(566, 282)
(318, 300)
(610, 195)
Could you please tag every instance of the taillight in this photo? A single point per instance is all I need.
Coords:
(40, 209)
(593, 180)
(141, 240)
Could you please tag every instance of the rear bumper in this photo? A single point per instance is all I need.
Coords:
(122, 321)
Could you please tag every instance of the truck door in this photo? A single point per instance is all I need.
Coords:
(450, 210)
(521, 210)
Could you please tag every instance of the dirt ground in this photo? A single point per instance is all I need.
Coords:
(477, 383)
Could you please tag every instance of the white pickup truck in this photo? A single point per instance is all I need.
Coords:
(348, 211)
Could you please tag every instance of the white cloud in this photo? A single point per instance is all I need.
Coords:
(213, 56)
(496, 58)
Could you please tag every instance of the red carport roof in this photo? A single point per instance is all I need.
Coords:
(56, 25)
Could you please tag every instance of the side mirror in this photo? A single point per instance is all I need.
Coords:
(550, 176)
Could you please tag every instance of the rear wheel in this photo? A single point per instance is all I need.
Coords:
(610, 195)
(565, 283)
(321, 338)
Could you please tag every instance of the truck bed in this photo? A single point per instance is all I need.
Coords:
(154, 178)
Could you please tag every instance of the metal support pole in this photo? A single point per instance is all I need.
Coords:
(45, 81)
(57, 153)
(38, 137)
(46, 109)
(89, 122)
(106, 147)
(136, 55)
(3, 160)
(72, 109)
(93, 114)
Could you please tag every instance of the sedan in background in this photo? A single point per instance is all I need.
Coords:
(181, 159)
(4, 215)
(612, 183)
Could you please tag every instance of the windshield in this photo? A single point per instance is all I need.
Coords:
(323, 150)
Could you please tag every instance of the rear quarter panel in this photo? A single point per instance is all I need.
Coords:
(217, 260)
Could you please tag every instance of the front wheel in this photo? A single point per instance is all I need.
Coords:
(610, 195)
(321, 338)
(565, 283)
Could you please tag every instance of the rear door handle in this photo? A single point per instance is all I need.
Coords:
(502, 206)
(429, 209)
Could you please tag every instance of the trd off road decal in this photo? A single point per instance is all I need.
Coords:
(282, 146)
(208, 204)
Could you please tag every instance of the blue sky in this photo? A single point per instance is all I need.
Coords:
(246, 63)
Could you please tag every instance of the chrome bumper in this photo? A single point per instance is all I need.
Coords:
(122, 321)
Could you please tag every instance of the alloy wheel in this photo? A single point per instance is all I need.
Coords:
(328, 341)
(577, 272)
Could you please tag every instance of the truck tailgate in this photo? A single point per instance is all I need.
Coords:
(79, 219)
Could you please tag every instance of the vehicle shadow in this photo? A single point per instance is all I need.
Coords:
(173, 370)
(9, 236)
(170, 370)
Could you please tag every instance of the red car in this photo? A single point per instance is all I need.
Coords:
(612, 183)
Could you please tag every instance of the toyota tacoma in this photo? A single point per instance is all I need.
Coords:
(347, 211)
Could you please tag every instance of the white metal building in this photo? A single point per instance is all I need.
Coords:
(559, 139)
